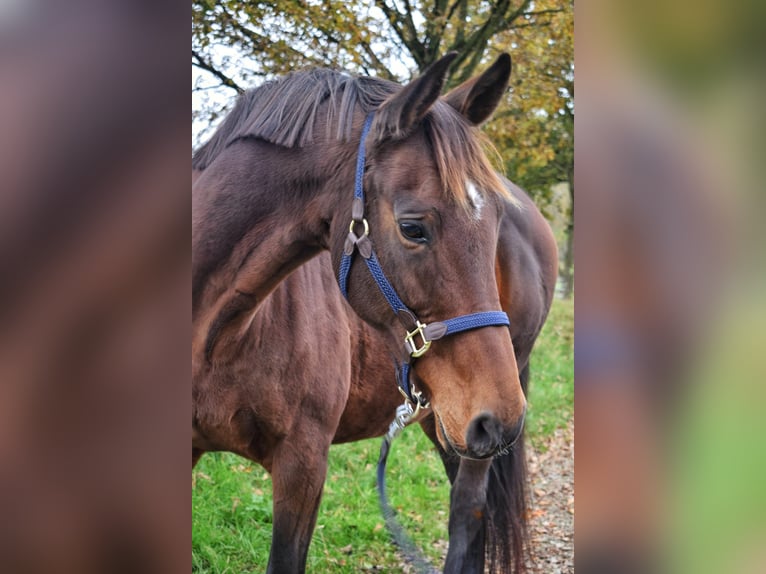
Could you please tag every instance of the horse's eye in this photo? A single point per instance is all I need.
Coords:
(414, 231)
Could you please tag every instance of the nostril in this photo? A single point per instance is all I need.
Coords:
(485, 434)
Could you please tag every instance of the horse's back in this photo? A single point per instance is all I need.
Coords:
(526, 271)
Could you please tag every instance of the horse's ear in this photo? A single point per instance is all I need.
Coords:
(403, 110)
(477, 98)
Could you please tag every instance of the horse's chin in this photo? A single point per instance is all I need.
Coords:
(449, 446)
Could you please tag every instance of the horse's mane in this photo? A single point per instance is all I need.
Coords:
(284, 111)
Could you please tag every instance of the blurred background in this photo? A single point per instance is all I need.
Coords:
(669, 389)
(94, 289)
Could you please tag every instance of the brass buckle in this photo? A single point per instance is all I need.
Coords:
(410, 343)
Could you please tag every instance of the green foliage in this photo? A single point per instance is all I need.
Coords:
(376, 37)
(231, 497)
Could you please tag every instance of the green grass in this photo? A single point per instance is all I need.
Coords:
(551, 386)
(231, 497)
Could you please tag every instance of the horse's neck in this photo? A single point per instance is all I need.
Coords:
(259, 212)
(525, 269)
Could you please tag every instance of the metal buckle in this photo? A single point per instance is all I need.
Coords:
(420, 402)
(405, 414)
(410, 343)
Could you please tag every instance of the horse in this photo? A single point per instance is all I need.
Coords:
(286, 363)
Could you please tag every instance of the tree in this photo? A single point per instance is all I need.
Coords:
(535, 130)
(236, 44)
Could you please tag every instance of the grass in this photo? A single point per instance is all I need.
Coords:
(231, 497)
(551, 386)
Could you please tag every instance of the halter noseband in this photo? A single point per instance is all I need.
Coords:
(419, 335)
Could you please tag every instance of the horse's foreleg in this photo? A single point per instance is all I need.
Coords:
(468, 497)
(298, 475)
(196, 454)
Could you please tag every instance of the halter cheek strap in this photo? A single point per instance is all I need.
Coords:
(419, 335)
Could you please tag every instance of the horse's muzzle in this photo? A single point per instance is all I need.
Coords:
(487, 436)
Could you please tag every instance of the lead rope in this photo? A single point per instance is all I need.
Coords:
(411, 553)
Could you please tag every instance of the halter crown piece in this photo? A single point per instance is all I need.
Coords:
(419, 335)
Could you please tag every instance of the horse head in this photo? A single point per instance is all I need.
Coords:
(432, 214)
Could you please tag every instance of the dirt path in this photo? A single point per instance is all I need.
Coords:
(551, 508)
(551, 527)
(551, 522)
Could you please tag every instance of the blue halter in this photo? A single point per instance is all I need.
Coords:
(419, 335)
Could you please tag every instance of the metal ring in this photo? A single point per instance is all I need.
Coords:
(363, 222)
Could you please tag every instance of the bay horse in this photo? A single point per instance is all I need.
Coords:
(284, 364)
